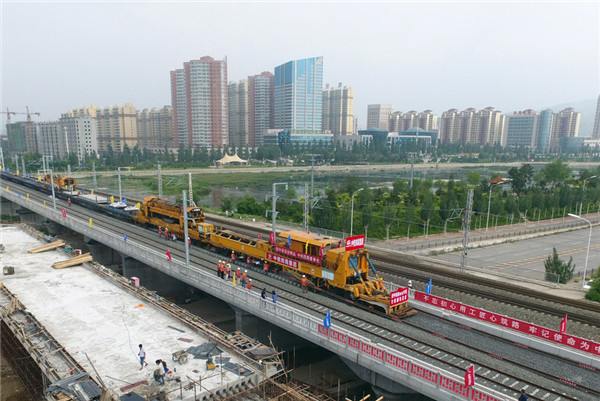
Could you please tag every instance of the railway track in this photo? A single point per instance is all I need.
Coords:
(424, 343)
(399, 267)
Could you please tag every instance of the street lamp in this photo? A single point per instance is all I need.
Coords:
(583, 193)
(587, 254)
(490, 203)
(352, 210)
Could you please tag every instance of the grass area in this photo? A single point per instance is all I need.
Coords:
(174, 184)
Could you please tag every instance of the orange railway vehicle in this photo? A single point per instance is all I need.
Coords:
(322, 259)
(61, 182)
(162, 213)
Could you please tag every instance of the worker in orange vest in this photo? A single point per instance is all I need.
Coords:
(166, 233)
(227, 271)
(304, 283)
(232, 256)
(248, 259)
(266, 268)
(159, 232)
(249, 285)
(244, 275)
(222, 270)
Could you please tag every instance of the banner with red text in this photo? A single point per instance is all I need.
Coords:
(524, 327)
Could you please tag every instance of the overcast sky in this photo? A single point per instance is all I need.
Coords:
(414, 55)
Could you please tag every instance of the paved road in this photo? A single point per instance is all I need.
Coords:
(375, 168)
(518, 250)
(525, 257)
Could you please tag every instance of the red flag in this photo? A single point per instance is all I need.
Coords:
(168, 255)
(322, 250)
(470, 377)
(563, 324)
(64, 213)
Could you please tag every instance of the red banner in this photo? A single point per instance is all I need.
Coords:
(399, 296)
(524, 327)
(283, 260)
(272, 238)
(356, 242)
(298, 255)
(563, 324)
(470, 377)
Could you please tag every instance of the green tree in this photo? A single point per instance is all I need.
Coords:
(226, 203)
(557, 269)
(555, 172)
(473, 177)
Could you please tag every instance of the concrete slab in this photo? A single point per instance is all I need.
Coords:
(90, 315)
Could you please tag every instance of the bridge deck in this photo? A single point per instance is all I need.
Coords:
(88, 314)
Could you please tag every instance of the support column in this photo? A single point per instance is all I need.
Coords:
(246, 322)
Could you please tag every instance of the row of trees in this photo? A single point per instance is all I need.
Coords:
(375, 152)
(434, 207)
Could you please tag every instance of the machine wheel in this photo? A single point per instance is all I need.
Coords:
(183, 359)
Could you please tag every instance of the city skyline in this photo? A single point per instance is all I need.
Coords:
(446, 55)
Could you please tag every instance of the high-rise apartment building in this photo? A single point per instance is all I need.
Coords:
(260, 107)
(338, 110)
(238, 113)
(401, 122)
(298, 91)
(490, 127)
(155, 128)
(450, 127)
(116, 126)
(22, 137)
(596, 131)
(378, 116)
(470, 126)
(80, 134)
(565, 125)
(51, 139)
(199, 100)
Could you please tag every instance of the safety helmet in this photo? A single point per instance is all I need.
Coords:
(303, 275)
(249, 279)
(238, 268)
(245, 271)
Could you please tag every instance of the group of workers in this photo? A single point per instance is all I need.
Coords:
(224, 272)
(169, 235)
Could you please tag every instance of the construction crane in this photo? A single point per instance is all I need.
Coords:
(29, 114)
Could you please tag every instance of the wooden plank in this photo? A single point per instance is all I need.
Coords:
(47, 247)
(73, 262)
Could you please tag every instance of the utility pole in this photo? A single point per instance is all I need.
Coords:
(466, 225)
(191, 199)
(94, 174)
(2, 157)
(52, 185)
(306, 207)
(23, 163)
(185, 230)
(159, 182)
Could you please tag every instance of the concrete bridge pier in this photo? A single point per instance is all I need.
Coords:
(7, 208)
(246, 322)
(104, 255)
(152, 279)
(383, 386)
